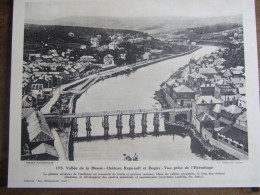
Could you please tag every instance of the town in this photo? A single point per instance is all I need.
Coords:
(212, 86)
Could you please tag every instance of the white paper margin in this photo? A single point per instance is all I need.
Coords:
(241, 174)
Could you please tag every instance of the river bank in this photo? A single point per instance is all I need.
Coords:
(136, 91)
(118, 83)
(115, 72)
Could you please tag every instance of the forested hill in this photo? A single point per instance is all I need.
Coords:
(58, 36)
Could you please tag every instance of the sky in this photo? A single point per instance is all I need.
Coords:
(54, 9)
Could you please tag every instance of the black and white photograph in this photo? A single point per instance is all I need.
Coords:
(134, 80)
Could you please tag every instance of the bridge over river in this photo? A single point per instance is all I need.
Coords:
(72, 120)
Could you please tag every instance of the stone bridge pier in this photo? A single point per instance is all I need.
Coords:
(144, 124)
(88, 128)
(105, 125)
(119, 126)
(156, 123)
(132, 125)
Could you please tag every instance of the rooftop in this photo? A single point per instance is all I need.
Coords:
(183, 89)
(38, 128)
(217, 108)
(205, 117)
(45, 149)
(242, 117)
(196, 75)
(233, 109)
(207, 71)
(208, 100)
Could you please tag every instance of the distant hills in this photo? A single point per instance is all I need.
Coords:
(151, 25)
(57, 36)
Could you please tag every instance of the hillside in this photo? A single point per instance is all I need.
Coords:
(151, 25)
(57, 36)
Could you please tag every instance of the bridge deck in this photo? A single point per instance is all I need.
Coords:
(118, 112)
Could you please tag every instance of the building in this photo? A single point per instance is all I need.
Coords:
(237, 81)
(242, 102)
(147, 56)
(208, 72)
(87, 59)
(156, 53)
(37, 89)
(195, 79)
(204, 120)
(37, 138)
(43, 152)
(207, 89)
(192, 65)
(204, 104)
(108, 59)
(183, 95)
(112, 46)
(34, 57)
(94, 42)
(83, 47)
(229, 99)
(229, 114)
(242, 120)
(223, 88)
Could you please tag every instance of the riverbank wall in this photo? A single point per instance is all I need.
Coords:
(129, 69)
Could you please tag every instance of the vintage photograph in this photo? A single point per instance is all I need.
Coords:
(142, 80)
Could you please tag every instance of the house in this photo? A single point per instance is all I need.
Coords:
(195, 80)
(204, 120)
(242, 119)
(204, 104)
(183, 95)
(193, 43)
(238, 81)
(217, 78)
(43, 152)
(230, 113)
(37, 89)
(192, 65)
(87, 59)
(47, 93)
(45, 80)
(242, 102)
(83, 47)
(71, 34)
(207, 89)
(229, 99)
(242, 90)
(74, 73)
(108, 59)
(208, 72)
(156, 53)
(237, 73)
(37, 130)
(147, 56)
(65, 76)
(219, 62)
(112, 46)
(94, 42)
(219, 68)
(34, 57)
(223, 88)
(216, 111)
(226, 73)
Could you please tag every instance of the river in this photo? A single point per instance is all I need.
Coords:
(135, 91)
